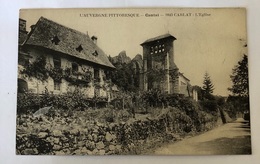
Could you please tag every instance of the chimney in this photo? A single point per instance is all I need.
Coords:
(22, 31)
(22, 25)
(32, 27)
(94, 39)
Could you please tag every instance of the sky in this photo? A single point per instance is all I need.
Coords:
(212, 43)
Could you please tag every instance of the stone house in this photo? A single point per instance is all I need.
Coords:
(73, 60)
(158, 57)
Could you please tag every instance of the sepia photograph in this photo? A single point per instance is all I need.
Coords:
(133, 81)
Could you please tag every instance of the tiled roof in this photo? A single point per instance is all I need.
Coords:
(158, 38)
(51, 35)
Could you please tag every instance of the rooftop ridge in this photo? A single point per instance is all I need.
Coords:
(167, 35)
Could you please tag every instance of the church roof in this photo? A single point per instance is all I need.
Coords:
(159, 38)
(51, 35)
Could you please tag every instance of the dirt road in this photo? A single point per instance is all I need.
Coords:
(231, 138)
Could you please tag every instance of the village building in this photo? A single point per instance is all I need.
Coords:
(159, 69)
(73, 61)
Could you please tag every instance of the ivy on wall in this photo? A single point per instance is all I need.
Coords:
(39, 70)
(159, 75)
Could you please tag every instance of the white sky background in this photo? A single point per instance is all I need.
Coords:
(203, 44)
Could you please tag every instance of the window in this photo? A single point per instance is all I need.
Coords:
(75, 67)
(107, 75)
(156, 49)
(56, 62)
(95, 53)
(55, 40)
(79, 48)
(163, 48)
(96, 74)
(57, 85)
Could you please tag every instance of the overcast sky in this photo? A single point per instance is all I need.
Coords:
(212, 43)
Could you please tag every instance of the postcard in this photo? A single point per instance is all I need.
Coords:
(133, 81)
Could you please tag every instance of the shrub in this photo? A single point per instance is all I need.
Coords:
(210, 106)
(28, 102)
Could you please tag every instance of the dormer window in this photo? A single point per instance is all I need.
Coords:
(55, 40)
(79, 48)
(95, 53)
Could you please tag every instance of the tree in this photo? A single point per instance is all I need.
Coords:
(239, 100)
(125, 78)
(239, 78)
(207, 87)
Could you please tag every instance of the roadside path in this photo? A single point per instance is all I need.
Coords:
(231, 138)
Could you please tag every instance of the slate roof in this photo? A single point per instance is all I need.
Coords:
(70, 42)
(158, 38)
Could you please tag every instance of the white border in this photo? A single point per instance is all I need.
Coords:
(9, 13)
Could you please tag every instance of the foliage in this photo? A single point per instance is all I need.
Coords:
(239, 100)
(197, 112)
(153, 98)
(77, 78)
(28, 102)
(210, 106)
(155, 76)
(125, 78)
(37, 69)
(174, 73)
(237, 104)
(239, 78)
(56, 74)
(207, 87)
(220, 101)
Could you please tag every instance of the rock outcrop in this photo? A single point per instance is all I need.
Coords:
(122, 58)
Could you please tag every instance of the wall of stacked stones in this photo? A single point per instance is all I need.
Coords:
(39, 136)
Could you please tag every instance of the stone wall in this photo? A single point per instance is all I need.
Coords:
(64, 136)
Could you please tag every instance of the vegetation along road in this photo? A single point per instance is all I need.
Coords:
(231, 138)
